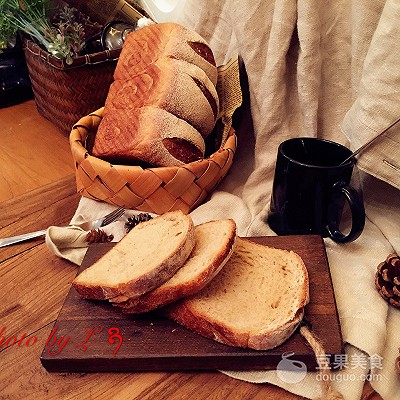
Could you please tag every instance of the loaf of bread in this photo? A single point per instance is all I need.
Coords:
(256, 301)
(144, 259)
(161, 67)
(214, 243)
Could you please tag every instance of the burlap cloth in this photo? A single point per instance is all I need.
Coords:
(321, 69)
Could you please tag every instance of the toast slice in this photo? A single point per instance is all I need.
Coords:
(215, 241)
(145, 258)
(256, 301)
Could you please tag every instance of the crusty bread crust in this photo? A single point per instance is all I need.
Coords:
(196, 313)
(145, 46)
(182, 313)
(160, 272)
(169, 292)
(173, 85)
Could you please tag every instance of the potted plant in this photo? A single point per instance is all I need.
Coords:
(69, 78)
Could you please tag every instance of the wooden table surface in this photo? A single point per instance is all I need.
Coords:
(34, 283)
(33, 152)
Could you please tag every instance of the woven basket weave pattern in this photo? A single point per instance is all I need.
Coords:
(156, 190)
(66, 93)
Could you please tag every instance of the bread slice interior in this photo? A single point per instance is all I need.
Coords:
(256, 301)
(215, 241)
(145, 258)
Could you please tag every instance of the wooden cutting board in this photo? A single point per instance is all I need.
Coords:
(95, 336)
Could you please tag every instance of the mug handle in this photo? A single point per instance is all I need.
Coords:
(357, 214)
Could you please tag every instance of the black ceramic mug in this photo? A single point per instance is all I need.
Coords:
(310, 190)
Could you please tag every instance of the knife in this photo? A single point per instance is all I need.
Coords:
(21, 238)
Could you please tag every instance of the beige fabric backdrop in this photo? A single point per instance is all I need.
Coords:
(322, 69)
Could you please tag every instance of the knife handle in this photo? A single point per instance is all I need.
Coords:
(21, 238)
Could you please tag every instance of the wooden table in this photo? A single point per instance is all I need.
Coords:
(34, 284)
(33, 152)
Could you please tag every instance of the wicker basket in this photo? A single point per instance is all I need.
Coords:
(65, 93)
(155, 190)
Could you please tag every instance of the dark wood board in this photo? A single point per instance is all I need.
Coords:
(81, 339)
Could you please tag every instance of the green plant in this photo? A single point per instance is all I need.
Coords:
(70, 31)
(28, 16)
(64, 36)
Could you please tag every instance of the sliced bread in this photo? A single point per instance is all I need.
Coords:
(215, 242)
(150, 135)
(145, 258)
(153, 87)
(256, 301)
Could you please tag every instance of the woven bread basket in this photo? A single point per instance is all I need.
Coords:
(64, 93)
(156, 190)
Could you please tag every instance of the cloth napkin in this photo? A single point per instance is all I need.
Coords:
(71, 243)
(310, 67)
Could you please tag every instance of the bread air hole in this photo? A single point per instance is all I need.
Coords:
(275, 304)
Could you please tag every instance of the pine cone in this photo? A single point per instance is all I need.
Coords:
(98, 236)
(397, 363)
(387, 279)
(137, 219)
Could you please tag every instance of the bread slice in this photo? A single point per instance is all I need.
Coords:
(179, 87)
(147, 135)
(256, 301)
(145, 258)
(215, 241)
